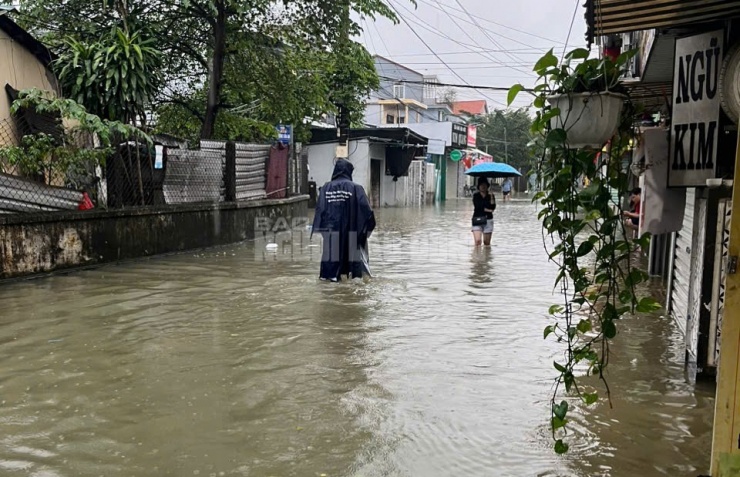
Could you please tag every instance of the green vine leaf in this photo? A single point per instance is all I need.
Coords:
(584, 249)
(558, 366)
(555, 309)
(558, 423)
(590, 398)
(648, 305)
(513, 92)
(578, 54)
(609, 329)
(556, 137)
(561, 447)
(626, 296)
(584, 326)
(549, 60)
(560, 410)
(548, 330)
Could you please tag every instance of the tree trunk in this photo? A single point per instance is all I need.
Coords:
(215, 79)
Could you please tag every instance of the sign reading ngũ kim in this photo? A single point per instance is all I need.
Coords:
(696, 106)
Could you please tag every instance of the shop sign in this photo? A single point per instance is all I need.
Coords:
(459, 136)
(696, 109)
(472, 136)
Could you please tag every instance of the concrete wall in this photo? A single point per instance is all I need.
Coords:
(21, 70)
(37, 244)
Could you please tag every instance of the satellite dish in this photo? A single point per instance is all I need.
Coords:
(729, 84)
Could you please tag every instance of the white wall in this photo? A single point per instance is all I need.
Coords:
(452, 179)
(393, 194)
(359, 156)
(321, 162)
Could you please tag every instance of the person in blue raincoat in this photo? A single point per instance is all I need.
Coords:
(345, 220)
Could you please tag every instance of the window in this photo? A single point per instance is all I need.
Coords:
(401, 120)
(399, 91)
(390, 119)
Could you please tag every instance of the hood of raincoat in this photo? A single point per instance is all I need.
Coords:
(343, 169)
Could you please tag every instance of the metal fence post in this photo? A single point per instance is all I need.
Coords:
(230, 172)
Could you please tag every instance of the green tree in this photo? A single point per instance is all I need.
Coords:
(115, 77)
(198, 37)
(505, 134)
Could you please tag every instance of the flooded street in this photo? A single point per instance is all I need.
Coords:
(237, 362)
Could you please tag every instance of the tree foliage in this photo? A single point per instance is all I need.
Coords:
(67, 155)
(222, 52)
(114, 77)
(506, 135)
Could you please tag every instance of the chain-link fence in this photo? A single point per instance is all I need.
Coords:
(34, 179)
(37, 176)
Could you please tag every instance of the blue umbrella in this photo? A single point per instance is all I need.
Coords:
(492, 169)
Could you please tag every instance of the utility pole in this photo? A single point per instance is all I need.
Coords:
(343, 122)
(506, 147)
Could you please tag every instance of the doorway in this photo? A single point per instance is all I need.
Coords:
(375, 182)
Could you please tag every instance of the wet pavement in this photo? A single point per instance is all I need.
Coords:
(238, 362)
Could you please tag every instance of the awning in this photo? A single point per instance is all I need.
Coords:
(606, 17)
(652, 96)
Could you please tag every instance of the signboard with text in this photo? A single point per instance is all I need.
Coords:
(472, 136)
(459, 136)
(696, 109)
(285, 134)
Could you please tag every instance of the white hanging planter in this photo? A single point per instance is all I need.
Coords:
(590, 119)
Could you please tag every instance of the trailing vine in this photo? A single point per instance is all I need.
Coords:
(589, 240)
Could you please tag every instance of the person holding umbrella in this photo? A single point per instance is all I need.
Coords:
(484, 203)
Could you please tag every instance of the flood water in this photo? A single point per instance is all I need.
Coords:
(239, 362)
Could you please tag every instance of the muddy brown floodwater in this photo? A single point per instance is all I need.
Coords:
(238, 362)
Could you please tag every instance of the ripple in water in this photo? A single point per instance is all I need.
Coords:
(240, 362)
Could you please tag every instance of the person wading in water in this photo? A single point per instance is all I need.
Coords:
(484, 204)
(345, 221)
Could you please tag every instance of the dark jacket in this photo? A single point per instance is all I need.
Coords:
(481, 203)
(345, 221)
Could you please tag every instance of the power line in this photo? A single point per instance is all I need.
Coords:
(520, 51)
(382, 40)
(452, 17)
(476, 48)
(570, 30)
(438, 57)
(484, 31)
(485, 20)
(453, 85)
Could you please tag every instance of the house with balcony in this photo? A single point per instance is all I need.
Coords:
(409, 99)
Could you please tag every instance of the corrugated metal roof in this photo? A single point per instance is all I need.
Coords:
(622, 16)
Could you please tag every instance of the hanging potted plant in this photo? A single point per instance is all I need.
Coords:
(584, 94)
(579, 107)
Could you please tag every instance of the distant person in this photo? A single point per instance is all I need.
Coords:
(345, 221)
(506, 189)
(632, 221)
(484, 203)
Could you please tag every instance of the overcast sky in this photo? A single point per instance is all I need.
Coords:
(485, 42)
